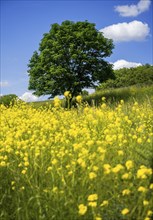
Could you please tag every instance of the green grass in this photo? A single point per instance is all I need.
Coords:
(128, 94)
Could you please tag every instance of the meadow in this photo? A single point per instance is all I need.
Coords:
(84, 163)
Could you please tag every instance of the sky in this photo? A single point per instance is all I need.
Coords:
(128, 22)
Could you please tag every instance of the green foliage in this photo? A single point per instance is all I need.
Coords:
(7, 100)
(142, 75)
(70, 58)
(127, 94)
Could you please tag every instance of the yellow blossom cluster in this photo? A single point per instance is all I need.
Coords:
(92, 163)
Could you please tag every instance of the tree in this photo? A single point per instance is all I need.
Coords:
(70, 58)
(8, 100)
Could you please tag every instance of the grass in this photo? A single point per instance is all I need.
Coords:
(128, 94)
(113, 96)
(85, 163)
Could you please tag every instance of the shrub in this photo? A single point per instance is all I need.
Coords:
(7, 100)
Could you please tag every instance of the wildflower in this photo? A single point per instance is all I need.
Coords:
(147, 218)
(129, 164)
(55, 189)
(92, 197)
(23, 171)
(145, 202)
(67, 94)
(92, 204)
(104, 203)
(57, 102)
(120, 153)
(122, 101)
(103, 98)
(125, 211)
(95, 168)
(3, 164)
(126, 192)
(79, 98)
(92, 175)
(98, 218)
(151, 186)
(103, 105)
(54, 161)
(49, 169)
(26, 163)
(12, 183)
(149, 213)
(143, 172)
(82, 209)
(139, 140)
(107, 168)
(125, 176)
(117, 168)
(142, 189)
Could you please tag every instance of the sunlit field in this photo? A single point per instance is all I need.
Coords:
(92, 163)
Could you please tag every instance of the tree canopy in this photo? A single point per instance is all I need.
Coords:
(70, 58)
(141, 75)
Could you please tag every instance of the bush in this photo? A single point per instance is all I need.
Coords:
(8, 100)
(141, 75)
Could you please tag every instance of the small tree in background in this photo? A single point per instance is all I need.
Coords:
(70, 58)
(9, 99)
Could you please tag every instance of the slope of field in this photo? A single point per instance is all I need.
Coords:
(84, 163)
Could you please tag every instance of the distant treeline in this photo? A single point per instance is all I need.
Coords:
(142, 75)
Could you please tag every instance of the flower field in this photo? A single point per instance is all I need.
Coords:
(83, 163)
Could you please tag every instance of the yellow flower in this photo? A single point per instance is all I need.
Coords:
(117, 168)
(26, 163)
(95, 168)
(92, 204)
(125, 176)
(104, 203)
(120, 153)
(139, 140)
(98, 218)
(92, 197)
(54, 161)
(107, 168)
(82, 209)
(143, 172)
(23, 171)
(67, 94)
(57, 102)
(92, 175)
(126, 192)
(151, 186)
(145, 202)
(79, 98)
(55, 189)
(142, 189)
(3, 164)
(125, 211)
(147, 218)
(149, 213)
(129, 164)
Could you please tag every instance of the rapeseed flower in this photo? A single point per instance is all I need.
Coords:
(82, 209)
(125, 211)
(92, 197)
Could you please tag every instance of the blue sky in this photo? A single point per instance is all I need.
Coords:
(23, 24)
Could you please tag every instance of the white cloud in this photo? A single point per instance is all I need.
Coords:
(132, 31)
(4, 84)
(125, 64)
(133, 10)
(29, 97)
